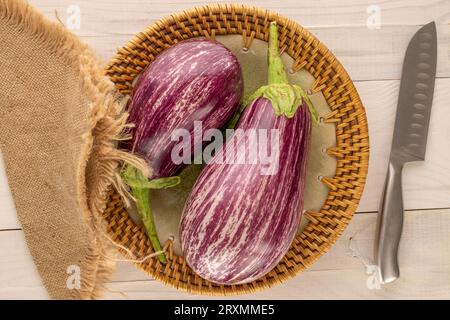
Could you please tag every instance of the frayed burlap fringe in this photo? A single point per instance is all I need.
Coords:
(107, 121)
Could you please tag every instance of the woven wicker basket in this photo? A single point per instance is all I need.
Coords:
(352, 149)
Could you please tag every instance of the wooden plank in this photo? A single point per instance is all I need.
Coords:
(378, 54)
(425, 184)
(330, 284)
(8, 217)
(367, 54)
(118, 17)
(424, 259)
(23, 293)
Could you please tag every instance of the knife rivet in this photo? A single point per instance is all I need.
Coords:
(416, 125)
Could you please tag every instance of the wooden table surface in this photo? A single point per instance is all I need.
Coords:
(372, 53)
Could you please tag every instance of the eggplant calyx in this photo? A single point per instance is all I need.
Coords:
(140, 190)
(285, 98)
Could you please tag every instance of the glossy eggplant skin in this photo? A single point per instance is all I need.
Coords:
(194, 80)
(238, 223)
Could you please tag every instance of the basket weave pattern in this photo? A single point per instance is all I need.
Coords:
(351, 150)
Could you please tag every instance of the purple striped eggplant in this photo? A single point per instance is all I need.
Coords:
(194, 80)
(239, 221)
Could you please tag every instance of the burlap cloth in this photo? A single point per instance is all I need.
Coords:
(59, 120)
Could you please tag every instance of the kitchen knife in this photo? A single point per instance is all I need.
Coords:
(408, 143)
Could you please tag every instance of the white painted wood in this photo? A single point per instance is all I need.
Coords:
(18, 275)
(425, 184)
(424, 261)
(366, 53)
(330, 284)
(8, 217)
(132, 15)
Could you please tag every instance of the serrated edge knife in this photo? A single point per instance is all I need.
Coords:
(408, 143)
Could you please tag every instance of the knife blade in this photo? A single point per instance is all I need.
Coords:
(408, 144)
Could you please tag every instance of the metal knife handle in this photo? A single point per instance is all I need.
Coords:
(390, 225)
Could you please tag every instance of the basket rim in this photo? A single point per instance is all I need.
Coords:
(285, 23)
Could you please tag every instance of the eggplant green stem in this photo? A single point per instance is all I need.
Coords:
(140, 189)
(276, 72)
(285, 98)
